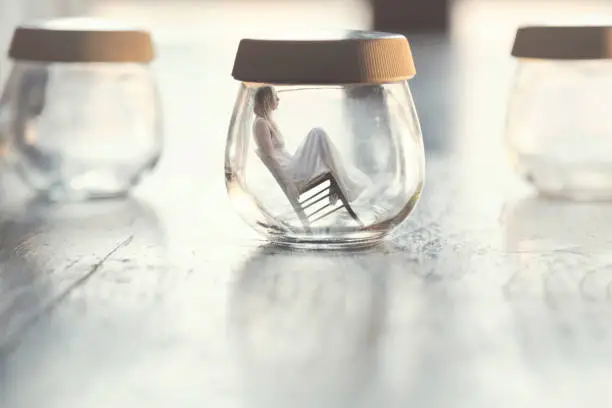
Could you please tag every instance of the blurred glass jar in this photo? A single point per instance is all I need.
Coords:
(80, 116)
(324, 146)
(559, 128)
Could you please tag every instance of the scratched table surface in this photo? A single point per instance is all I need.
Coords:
(487, 296)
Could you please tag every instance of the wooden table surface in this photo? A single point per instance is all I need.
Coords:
(487, 296)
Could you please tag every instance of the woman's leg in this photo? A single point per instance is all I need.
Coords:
(319, 154)
(321, 148)
(319, 141)
(310, 159)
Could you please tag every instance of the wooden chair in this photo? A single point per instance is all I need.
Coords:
(301, 205)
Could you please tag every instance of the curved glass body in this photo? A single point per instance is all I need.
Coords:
(345, 166)
(81, 130)
(559, 127)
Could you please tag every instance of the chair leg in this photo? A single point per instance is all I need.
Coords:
(352, 213)
(305, 221)
(334, 189)
(301, 215)
(345, 202)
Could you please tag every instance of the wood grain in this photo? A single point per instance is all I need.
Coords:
(488, 296)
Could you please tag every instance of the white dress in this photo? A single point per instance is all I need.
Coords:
(316, 155)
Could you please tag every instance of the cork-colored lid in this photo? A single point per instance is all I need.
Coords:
(563, 42)
(355, 57)
(80, 40)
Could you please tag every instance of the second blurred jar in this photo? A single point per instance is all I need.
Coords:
(80, 112)
(559, 125)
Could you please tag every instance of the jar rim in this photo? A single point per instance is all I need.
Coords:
(563, 42)
(308, 86)
(96, 40)
(358, 57)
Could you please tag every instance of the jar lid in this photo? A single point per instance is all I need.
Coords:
(563, 42)
(80, 40)
(356, 57)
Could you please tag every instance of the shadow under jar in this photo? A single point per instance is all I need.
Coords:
(81, 113)
(324, 147)
(559, 126)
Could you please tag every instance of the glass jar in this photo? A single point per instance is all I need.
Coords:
(558, 123)
(324, 146)
(80, 115)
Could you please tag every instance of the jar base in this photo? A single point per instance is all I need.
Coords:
(573, 183)
(576, 195)
(61, 194)
(91, 185)
(355, 241)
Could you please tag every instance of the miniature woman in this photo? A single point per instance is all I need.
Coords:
(316, 155)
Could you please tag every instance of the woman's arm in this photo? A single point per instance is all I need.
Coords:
(266, 149)
(263, 138)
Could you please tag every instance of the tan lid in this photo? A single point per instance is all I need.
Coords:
(80, 40)
(563, 42)
(355, 57)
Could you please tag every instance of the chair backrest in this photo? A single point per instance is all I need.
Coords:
(272, 169)
(300, 206)
(282, 184)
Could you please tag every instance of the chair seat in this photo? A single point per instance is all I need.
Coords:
(327, 196)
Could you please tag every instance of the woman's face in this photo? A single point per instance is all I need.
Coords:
(274, 100)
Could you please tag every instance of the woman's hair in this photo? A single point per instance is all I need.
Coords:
(263, 101)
